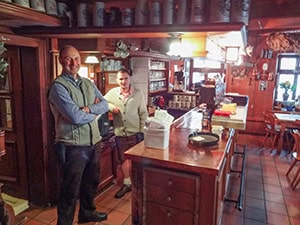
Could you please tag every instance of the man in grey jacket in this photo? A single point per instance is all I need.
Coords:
(76, 104)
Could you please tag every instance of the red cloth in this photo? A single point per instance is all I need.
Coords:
(218, 112)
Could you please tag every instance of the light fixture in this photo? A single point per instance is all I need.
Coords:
(232, 54)
(178, 47)
(91, 59)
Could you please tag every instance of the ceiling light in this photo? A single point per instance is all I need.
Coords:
(179, 48)
(91, 59)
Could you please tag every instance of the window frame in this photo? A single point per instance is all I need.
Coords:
(282, 72)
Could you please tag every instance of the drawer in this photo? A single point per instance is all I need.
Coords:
(157, 214)
(172, 180)
(171, 198)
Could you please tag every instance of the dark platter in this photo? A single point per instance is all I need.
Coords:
(203, 139)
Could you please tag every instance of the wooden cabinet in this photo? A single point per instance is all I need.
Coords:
(171, 197)
(158, 76)
(150, 76)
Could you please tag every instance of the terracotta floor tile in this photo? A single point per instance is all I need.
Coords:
(271, 180)
(34, 222)
(256, 214)
(48, 215)
(109, 202)
(116, 218)
(288, 192)
(275, 207)
(254, 193)
(255, 203)
(253, 222)
(268, 198)
(272, 188)
(128, 221)
(294, 211)
(277, 219)
(273, 197)
(294, 221)
(124, 206)
(232, 220)
(290, 201)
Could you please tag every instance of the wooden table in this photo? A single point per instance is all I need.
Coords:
(286, 120)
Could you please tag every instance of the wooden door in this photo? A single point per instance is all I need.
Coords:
(13, 170)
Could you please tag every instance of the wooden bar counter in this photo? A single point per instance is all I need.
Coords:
(183, 184)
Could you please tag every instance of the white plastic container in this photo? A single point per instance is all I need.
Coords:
(156, 138)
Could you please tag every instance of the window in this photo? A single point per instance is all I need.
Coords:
(288, 69)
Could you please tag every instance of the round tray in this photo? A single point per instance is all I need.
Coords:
(203, 139)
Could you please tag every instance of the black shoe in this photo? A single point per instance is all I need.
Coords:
(95, 217)
(124, 189)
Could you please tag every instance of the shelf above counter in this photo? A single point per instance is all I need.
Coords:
(216, 31)
(16, 16)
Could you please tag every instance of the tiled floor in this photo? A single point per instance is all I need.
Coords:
(268, 198)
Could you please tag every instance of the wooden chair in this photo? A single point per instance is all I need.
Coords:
(296, 158)
(272, 130)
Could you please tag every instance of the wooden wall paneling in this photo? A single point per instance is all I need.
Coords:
(260, 99)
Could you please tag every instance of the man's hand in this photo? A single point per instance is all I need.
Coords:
(116, 110)
(85, 109)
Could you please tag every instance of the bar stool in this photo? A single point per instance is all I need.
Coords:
(296, 157)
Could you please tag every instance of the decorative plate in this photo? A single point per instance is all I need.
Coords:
(203, 139)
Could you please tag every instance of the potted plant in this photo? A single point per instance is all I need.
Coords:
(286, 86)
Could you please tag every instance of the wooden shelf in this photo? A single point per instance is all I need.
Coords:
(137, 31)
(158, 79)
(14, 15)
(158, 91)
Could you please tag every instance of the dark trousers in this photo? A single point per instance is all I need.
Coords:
(80, 176)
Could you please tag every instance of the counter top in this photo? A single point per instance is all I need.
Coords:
(236, 121)
(180, 154)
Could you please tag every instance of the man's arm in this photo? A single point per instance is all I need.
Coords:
(60, 98)
(100, 105)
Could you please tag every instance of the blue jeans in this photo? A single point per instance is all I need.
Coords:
(80, 177)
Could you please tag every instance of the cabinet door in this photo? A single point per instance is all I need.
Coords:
(107, 165)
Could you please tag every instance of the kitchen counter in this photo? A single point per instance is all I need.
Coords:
(159, 191)
(237, 120)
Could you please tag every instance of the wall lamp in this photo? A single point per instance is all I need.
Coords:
(91, 59)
